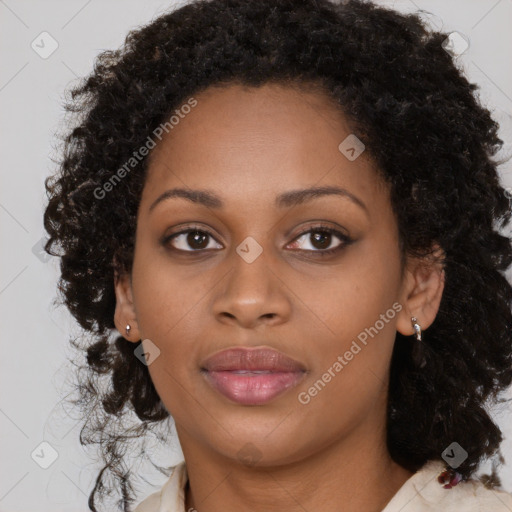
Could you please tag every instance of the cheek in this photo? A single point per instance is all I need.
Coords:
(166, 308)
(350, 362)
(355, 311)
(352, 295)
(167, 304)
(165, 295)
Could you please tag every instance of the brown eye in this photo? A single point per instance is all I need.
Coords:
(190, 240)
(320, 240)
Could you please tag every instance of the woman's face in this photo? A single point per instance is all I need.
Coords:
(264, 273)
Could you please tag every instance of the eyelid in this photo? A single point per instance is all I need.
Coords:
(322, 227)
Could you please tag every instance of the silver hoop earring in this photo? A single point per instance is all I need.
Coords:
(417, 350)
(128, 329)
(416, 327)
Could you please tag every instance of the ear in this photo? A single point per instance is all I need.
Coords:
(422, 290)
(125, 311)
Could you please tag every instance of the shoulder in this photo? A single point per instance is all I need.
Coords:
(474, 496)
(170, 498)
(423, 493)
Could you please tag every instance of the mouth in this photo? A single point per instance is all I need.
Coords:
(252, 376)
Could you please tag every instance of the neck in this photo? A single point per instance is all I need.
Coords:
(350, 474)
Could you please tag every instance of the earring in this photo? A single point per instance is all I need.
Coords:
(128, 328)
(417, 353)
(416, 327)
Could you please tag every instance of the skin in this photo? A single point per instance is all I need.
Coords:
(248, 145)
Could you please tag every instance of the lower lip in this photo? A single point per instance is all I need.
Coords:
(252, 388)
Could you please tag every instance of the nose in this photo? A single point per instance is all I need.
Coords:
(253, 292)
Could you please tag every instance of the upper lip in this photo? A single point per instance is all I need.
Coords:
(242, 358)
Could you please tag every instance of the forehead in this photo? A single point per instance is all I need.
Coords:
(228, 116)
(238, 140)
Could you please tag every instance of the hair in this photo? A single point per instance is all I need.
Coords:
(422, 124)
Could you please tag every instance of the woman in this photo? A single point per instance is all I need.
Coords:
(289, 211)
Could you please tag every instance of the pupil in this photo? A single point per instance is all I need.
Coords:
(192, 237)
(322, 235)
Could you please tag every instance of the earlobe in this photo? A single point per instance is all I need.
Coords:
(422, 292)
(125, 317)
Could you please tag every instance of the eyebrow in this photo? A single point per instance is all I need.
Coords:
(284, 200)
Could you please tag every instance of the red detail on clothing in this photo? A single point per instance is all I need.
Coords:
(449, 478)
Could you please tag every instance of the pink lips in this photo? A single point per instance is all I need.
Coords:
(252, 376)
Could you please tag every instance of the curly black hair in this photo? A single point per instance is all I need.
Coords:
(421, 122)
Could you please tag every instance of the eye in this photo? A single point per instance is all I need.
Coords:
(193, 237)
(322, 240)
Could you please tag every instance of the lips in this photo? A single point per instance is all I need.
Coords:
(251, 359)
(252, 376)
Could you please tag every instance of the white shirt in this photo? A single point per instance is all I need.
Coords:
(420, 493)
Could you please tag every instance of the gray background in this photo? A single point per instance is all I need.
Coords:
(34, 374)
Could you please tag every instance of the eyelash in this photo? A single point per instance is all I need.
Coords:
(345, 239)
